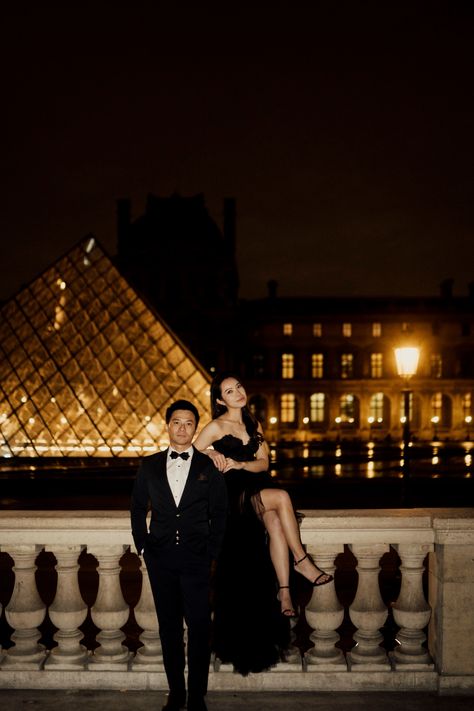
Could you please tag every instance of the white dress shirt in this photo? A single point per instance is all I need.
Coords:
(177, 471)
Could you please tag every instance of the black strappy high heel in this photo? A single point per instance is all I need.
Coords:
(315, 583)
(288, 609)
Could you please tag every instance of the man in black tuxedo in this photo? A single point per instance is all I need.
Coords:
(188, 499)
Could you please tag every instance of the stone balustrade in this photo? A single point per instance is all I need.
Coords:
(434, 633)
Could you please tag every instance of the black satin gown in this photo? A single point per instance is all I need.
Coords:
(249, 630)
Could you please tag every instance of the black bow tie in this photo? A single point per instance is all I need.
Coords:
(183, 455)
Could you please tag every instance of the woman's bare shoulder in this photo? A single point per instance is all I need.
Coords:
(210, 432)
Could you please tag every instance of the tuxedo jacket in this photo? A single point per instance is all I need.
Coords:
(196, 524)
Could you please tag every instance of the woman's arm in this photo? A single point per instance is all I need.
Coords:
(259, 464)
(206, 437)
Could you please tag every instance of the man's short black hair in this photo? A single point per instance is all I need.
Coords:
(181, 405)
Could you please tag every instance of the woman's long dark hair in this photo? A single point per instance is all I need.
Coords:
(249, 420)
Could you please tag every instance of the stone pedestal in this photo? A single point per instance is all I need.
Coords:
(451, 585)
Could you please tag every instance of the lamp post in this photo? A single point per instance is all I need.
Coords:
(406, 359)
(435, 423)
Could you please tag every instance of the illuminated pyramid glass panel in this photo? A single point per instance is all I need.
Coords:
(86, 367)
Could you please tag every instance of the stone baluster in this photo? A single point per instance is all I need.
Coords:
(25, 612)
(325, 614)
(110, 611)
(67, 612)
(367, 611)
(411, 612)
(150, 655)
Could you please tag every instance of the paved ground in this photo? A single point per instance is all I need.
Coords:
(21, 700)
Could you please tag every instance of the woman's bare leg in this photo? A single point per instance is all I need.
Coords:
(279, 556)
(277, 500)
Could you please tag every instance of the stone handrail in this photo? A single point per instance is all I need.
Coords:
(442, 660)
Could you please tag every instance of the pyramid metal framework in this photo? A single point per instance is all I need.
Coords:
(86, 367)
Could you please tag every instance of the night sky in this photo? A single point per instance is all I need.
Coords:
(343, 129)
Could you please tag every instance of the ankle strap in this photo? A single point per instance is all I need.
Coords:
(297, 562)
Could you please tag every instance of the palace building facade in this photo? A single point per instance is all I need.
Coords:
(325, 368)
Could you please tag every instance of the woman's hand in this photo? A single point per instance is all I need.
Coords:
(232, 464)
(218, 459)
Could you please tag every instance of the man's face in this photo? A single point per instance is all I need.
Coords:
(181, 429)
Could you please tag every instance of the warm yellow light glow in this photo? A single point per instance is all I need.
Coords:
(273, 420)
(338, 420)
(407, 361)
(468, 419)
(371, 420)
(435, 419)
(305, 420)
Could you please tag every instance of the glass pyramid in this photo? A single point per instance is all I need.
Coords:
(86, 367)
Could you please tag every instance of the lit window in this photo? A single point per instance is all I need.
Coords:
(287, 365)
(288, 408)
(347, 330)
(347, 408)
(376, 365)
(376, 330)
(347, 365)
(436, 363)
(317, 407)
(317, 365)
(376, 408)
(317, 329)
(287, 329)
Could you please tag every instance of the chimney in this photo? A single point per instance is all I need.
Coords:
(229, 223)
(446, 288)
(124, 210)
(272, 288)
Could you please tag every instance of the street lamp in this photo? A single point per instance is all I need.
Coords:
(435, 423)
(407, 363)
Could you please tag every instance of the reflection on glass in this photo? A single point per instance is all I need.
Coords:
(88, 369)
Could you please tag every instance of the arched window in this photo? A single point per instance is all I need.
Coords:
(317, 410)
(348, 409)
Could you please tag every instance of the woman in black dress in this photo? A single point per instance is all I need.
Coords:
(251, 628)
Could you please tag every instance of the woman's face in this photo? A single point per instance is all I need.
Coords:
(232, 394)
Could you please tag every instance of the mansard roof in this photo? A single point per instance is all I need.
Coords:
(87, 368)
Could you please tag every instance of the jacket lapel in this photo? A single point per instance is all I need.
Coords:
(163, 478)
(195, 468)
